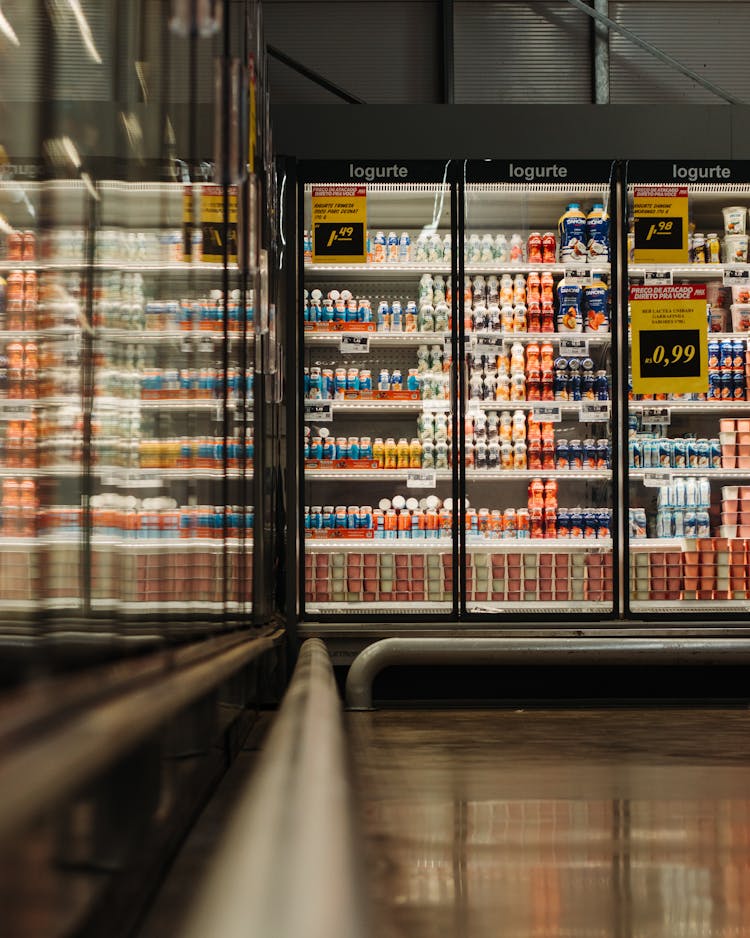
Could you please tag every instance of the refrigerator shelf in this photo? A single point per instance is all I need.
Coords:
(384, 545)
(408, 407)
(185, 544)
(417, 605)
(387, 270)
(739, 474)
(689, 605)
(541, 545)
(693, 271)
(595, 267)
(140, 267)
(572, 475)
(368, 475)
(166, 336)
(148, 605)
(538, 607)
(378, 338)
(695, 407)
(566, 407)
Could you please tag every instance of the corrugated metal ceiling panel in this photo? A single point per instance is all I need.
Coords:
(383, 52)
(709, 36)
(521, 53)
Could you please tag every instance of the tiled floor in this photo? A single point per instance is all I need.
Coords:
(629, 823)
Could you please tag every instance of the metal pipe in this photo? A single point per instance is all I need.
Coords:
(286, 866)
(504, 651)
(311, 75)
(655, 51)
(601, 54)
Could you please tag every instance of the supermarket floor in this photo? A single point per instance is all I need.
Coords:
(576, 822)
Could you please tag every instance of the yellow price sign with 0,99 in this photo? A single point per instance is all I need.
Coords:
(669, 339)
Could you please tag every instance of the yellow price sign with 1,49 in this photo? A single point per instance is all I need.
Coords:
(660, 216)
(669, 339)
(339, 224)
(219, 234)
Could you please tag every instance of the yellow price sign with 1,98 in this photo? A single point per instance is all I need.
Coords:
(339, 224)
(669, 339)
(660, 219)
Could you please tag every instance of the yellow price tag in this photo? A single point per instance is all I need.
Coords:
(669, 339)
(339, 224)
(661, 224)
(215, 231)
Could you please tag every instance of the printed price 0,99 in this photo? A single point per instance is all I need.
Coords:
(660, 355)
(670, 353)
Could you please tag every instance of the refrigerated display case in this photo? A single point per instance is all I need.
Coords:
(378, 486)
(479, 485)
(688, 468)
(536, 413)
(131, 296)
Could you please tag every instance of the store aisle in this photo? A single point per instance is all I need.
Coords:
(577, 823)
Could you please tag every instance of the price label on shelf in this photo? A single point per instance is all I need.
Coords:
(421, 479)
(597, 412)
(655, 479)
(658, 278)
(354, 345)
(546, 413)
(737, 276)
(206, 344)
(186, 344)
(17, 412)
(492, 343)
(660, 415)
(577, 275)
(574, 348)
(319, 411)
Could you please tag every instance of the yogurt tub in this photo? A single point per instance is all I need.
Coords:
(735, 248)
(735, 218)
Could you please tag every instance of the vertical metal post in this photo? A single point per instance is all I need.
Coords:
(601, 54)
(446, 46)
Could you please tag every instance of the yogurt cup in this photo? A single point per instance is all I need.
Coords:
(735, 248)
(735, 218)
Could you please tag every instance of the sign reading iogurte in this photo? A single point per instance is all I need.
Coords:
(670, 339)
(339, 223)
(661, 224)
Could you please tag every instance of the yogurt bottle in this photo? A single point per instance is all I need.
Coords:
(571, 229)
(597, 233)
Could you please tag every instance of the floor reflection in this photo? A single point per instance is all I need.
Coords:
(624, 823)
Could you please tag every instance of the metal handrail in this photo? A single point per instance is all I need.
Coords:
(48, 765)
(286, 867)
(546, 651)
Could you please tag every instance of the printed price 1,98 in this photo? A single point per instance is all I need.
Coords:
(660, 228)
(679, 353)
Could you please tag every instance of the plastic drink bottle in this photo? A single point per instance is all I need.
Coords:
(572, 232)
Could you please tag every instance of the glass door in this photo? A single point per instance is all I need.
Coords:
(378, 489)
(537, 440)
(688, 409)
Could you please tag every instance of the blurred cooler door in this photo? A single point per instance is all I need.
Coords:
(689, 409)
(537, 440)
(378, 487)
